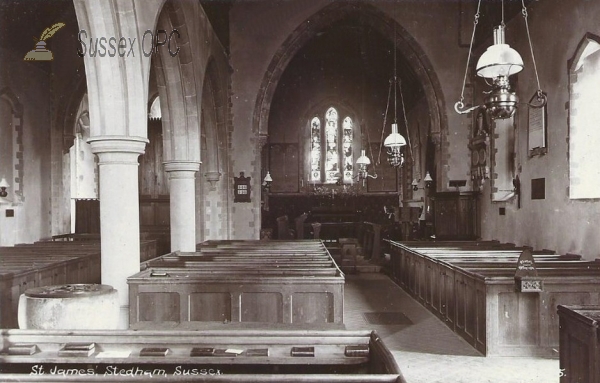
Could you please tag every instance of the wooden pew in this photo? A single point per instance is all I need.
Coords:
(475, 292)
(240, 282)
(22, 269)
(48, 263)
(579, 344)
(240, 355)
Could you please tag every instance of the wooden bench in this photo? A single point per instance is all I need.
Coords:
(20, 271)
(240, 282)
(49, 263)
(475, 293)
(240, 355)
(579, 344)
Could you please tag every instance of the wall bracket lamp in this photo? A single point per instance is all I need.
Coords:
(363, 162)
(428, 182)
(3, 186)
(267, 181)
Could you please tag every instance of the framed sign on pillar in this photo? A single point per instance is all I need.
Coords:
(241, 188)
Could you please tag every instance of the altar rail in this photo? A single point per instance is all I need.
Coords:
(471, 287)
(290, 282)
(217, 355)
(49, 263)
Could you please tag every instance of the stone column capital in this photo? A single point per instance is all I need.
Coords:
(182, 166)
(118, 149)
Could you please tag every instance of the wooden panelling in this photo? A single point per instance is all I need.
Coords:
(158, 307)
(566, 298)
(456, 215)
(348, 208)
(261, 307)
(209, 307)
(579, 344)
(312, 308)
(285, 168)
(516, 313)
(154, 186)
(153, 181)
(243, 281)
(474, 284)
(155, 212)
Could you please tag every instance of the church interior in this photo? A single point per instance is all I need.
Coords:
(300, 191)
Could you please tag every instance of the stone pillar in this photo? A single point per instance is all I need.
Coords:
(119, 213)
(183, 203)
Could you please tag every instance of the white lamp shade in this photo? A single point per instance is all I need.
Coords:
(395, 138)
(4, 184)
(363, 159)
(268, 178)
(415, 182)
(428, 177)
(499, 60)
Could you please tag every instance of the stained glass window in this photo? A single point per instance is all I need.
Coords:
(347, 156)
(331, 154)
(331, 140)
(315, 150)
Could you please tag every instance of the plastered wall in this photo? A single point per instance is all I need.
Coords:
(555, 222)
(30, 85)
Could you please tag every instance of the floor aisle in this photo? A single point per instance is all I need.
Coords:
(425, 349)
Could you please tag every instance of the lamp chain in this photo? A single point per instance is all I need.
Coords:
(405, 120)
(387, 107)
(395, 79)
(540, 94)
(461, 102)
(371, 152)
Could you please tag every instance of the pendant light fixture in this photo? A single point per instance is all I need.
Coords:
(395, 141)
(497, 64)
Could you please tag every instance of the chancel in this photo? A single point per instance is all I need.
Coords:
(301, 191)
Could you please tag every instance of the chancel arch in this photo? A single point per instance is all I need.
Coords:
(381, 22)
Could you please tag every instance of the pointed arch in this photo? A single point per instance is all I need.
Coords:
(387, 26)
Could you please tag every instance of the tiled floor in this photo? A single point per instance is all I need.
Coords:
(427, 350)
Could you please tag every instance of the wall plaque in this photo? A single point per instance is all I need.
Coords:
(241, 188)
(537, 141)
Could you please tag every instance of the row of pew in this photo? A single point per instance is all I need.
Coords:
(475, 289)
(249, 284)
(267, 282)
(282, 302)
(48, 263)
(579, 344)
(310, 356)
